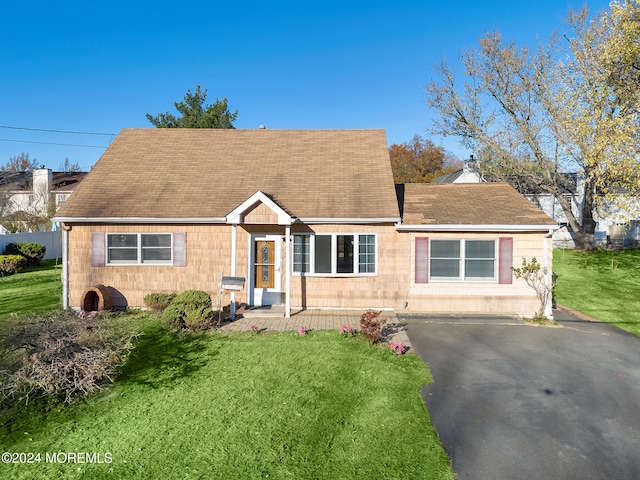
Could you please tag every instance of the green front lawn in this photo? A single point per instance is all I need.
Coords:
(276, 405)
(604, 285)
(32, 290)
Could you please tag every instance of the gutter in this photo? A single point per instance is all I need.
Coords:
(474, 228)
(123, 220)
(324, 220)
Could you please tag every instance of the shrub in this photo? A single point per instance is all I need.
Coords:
(64, 356)
(191, 310)
(158, 301)
(10, 263)
(173, 318)
(192, 300)
(371, 326)
(33, 252)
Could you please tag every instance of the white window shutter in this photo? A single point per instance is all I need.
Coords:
(97, 249)
(180, 249)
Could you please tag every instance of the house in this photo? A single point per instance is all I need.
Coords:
(467, 174)
(34, 193)
(311, 219)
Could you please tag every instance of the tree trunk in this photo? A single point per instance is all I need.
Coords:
(586, 236)
(584, 232)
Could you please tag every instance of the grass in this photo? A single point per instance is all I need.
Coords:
(32, 290)
(602, 284)
(274, 405)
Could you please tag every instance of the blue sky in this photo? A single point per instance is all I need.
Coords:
(99, 67)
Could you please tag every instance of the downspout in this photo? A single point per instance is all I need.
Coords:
(65, 265)
(548, 311)
(232, 300)
(287, 266)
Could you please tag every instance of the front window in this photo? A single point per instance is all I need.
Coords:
(334, 254)
(463, 259)
(301, 253)
(136, 248)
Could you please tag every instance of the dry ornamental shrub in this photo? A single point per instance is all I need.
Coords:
(63, 356)
(371, 325)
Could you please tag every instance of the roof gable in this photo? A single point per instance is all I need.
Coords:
(270, 212)
(207, 173)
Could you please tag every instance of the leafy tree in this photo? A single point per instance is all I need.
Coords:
(195, 114)
(570, 103)
(19, 163)
(419, 161)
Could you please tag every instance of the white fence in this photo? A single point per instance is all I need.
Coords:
(51, 240)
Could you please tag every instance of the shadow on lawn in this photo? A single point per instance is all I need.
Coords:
(160, 358)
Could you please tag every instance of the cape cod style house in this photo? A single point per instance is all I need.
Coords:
(311, 219)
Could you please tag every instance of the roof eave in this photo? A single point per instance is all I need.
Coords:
(359, 221)
(136, 220)
(475, 228)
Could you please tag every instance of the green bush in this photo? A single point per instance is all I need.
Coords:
(32, 251)
(173, 318)
(192, 300)
(190, 310)
(158, 301)
(10, 263)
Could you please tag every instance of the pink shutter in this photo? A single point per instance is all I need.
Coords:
(422, 260)
(180, 249)
(97, 249)
(505, 274)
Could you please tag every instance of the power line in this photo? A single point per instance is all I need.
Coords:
(57, 131)
(51, 143)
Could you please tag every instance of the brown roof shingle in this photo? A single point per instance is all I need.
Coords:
(205, 173)
(469, 204)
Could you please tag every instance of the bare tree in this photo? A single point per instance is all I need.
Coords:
(571, 103)
(19, 163)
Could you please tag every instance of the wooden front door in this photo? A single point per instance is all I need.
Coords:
(265, 270)
(264, 254)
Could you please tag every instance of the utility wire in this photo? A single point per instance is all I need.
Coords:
(57, 131)
(52, 143)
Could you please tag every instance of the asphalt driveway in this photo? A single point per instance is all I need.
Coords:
(515, 401)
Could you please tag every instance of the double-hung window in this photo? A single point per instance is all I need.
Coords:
(137, 248)
(463, 260)
(335, 254)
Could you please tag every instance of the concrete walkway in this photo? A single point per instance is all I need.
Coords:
(393, 331)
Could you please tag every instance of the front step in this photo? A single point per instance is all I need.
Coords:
(274, 311)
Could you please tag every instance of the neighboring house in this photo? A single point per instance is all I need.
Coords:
(311, 219)
(467, 174)
(32, 192)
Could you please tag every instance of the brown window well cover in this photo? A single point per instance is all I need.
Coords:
(97, 298)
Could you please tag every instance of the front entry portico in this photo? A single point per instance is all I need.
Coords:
(268, 259)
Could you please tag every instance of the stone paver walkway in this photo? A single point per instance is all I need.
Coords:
(394, 330)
